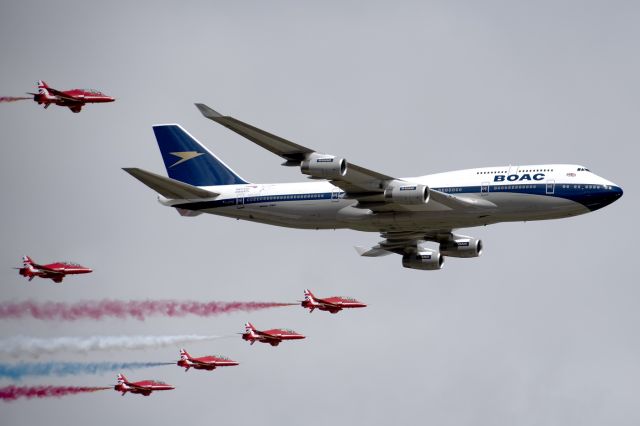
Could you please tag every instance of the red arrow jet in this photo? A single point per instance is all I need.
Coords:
(73, 99)
(332, 304)
(203, 363)
(55, 271)
(144, 387)
(273, 336)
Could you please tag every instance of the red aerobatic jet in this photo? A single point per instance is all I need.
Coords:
(332, 304)
(74, 99)
(144, 387)
(204, 363)
(273, 336)
(55, 271)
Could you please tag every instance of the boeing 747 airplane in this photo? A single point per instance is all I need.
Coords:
(407, 212)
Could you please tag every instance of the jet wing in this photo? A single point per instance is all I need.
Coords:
(359, 183)
(357, 179)
(402, 242)
(64, 96)
(138, 387)
(328, 304)
(49, 271)
(266, 336)
(203, 363)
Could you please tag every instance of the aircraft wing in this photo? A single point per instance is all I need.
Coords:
(359, 183)
(64, 96)
(402, 242)
(203, 363)
(328, 304)
(267, 336)
(48, 270)
(138, 387)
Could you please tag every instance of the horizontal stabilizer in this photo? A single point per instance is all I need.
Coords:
(371, 252)
(167, 187)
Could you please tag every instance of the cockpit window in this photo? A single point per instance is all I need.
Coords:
(93, 91)
(583, 169)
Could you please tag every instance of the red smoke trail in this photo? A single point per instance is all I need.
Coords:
(12, 98)
(11, 393)
(132, 309)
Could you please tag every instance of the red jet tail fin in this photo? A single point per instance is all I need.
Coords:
(184, 355)
(250, 329)
(44, 92)
(27, 270)
(121, 379)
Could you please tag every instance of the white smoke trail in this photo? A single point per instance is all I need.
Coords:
(33, 346)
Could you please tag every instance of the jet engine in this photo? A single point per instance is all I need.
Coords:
(324, 166)
(461, 246)
(425, 259)
(407, 194)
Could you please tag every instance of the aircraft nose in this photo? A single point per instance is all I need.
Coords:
(616, 191)
(601, 199)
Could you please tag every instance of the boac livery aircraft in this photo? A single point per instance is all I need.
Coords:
(405, 211)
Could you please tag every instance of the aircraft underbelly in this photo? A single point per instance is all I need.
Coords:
(511, 207)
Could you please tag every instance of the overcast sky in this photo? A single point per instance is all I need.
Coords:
(542, 329)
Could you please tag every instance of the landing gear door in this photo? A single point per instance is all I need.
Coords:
(484, 188)
(551, 186)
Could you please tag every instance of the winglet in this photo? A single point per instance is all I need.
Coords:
(208, 112)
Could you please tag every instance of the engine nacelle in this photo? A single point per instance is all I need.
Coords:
(407, 193)
(425, 259)
(461, 246)
(324, 166)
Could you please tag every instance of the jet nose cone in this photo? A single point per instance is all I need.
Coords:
(617, 191)
(609, 194)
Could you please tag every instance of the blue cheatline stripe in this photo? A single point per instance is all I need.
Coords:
(592, 198)
(203, 205)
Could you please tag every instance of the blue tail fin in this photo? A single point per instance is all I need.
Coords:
(188, 161)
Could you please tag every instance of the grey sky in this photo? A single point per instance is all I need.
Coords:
(542, 329)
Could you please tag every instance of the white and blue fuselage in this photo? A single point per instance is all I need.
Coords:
(513, 193)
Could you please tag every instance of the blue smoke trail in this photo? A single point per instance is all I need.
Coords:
(25, 369)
